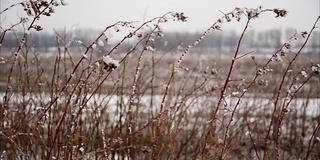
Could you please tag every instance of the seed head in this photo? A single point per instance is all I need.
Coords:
(280, 12)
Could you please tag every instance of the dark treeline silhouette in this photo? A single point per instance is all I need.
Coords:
(221, 41)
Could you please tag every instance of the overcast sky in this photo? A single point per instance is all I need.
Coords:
(97, 14)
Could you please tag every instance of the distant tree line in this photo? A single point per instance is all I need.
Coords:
(45, 40)
(221, 41)
(226, 41)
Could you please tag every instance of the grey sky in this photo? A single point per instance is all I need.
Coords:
(97, 14)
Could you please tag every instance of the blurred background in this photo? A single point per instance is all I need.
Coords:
(83, 20)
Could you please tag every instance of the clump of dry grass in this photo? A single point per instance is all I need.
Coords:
(145, 104)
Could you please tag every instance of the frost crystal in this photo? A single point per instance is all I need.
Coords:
(234, 93)
(263, 82)
(100, 43)
(277, 57)
(107, 63)
(81, 149)
(108, 60)
(304, 74)
(2, 60)
(316, 69)
(261, 71)
(149, 48)
(85, 56)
